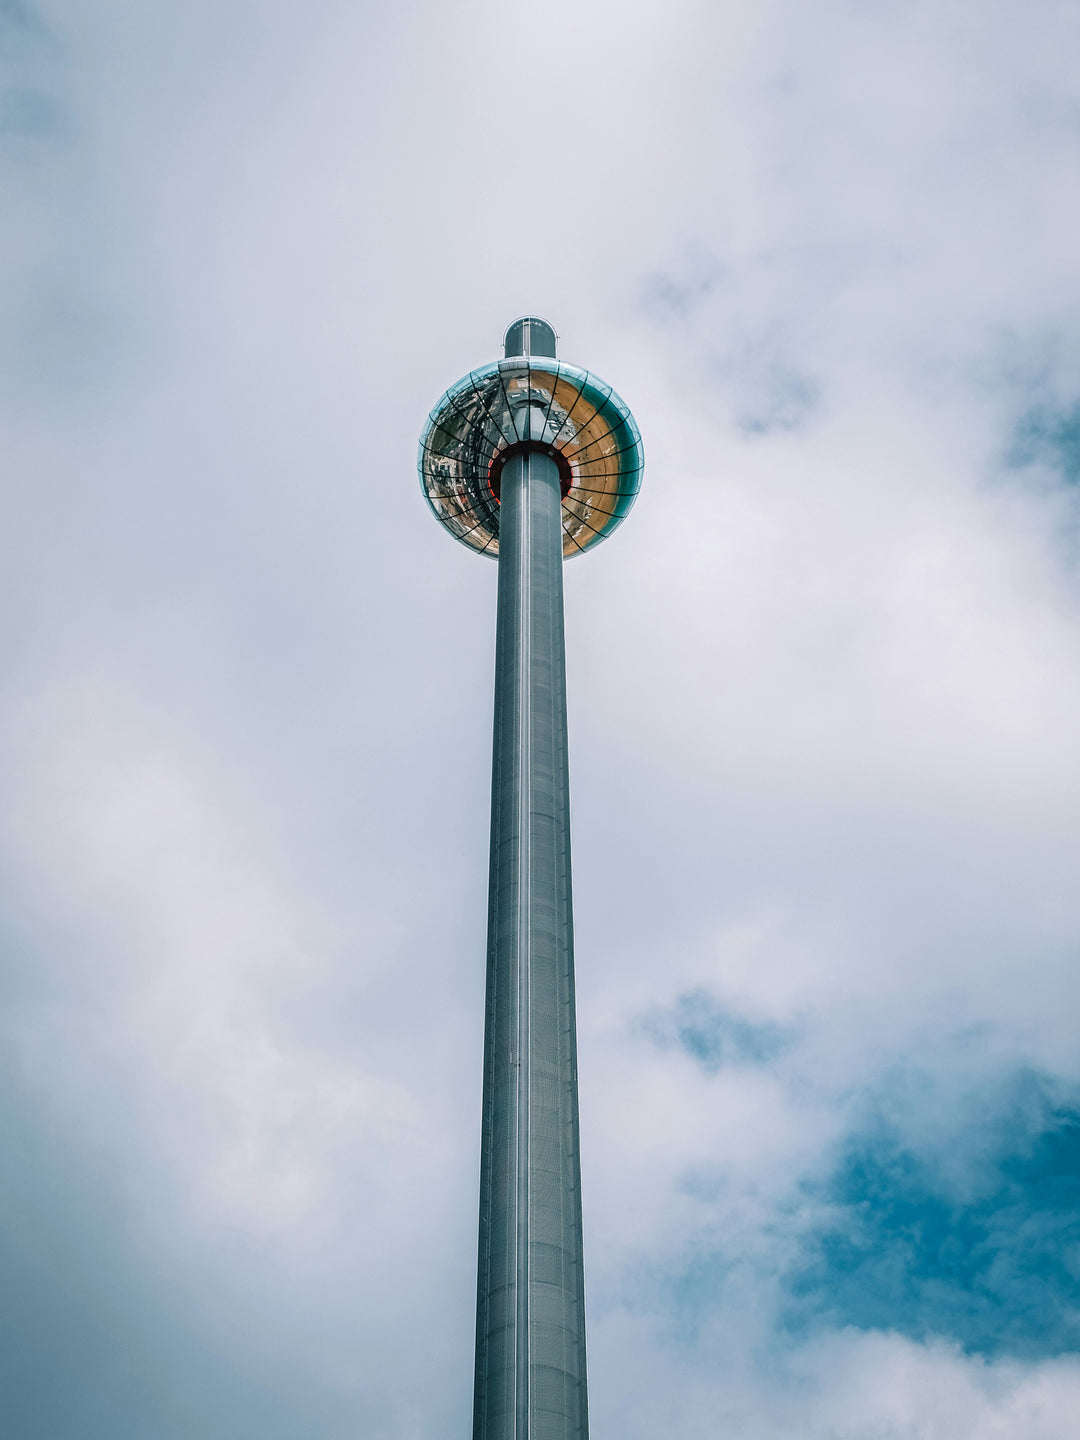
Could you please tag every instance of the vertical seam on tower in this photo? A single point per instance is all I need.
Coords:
(523, 1347)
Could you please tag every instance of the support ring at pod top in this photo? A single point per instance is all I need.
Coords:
(531, 401)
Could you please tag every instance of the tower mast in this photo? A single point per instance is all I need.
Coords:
(500, 460)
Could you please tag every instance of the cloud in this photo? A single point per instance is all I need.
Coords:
(823, 691)
(711, 1035)
(1052, 437)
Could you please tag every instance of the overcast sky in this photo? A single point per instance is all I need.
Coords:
(824, 704)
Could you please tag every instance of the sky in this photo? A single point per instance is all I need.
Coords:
(824, 699)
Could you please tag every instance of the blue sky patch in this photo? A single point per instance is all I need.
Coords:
(700, 1026)
(1049, 435)
(995, 1268)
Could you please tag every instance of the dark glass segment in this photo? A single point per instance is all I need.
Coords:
(544, 401)
(529, 336)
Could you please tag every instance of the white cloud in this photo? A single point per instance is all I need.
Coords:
(824, 684)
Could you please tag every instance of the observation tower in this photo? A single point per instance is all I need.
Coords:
(530, 461)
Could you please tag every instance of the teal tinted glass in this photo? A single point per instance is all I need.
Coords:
(541, 401)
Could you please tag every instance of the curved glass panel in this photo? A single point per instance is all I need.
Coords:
(546, 402)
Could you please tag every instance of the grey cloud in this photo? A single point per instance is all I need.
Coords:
(675, 294)
(32, 115)
(823, 689)
(740, 322)
(712, 1036)
(15, 15)
(1050, 436)
(781, 401)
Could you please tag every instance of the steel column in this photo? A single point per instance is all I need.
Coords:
(530, 1326)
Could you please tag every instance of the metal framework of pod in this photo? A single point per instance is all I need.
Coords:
(530, 460)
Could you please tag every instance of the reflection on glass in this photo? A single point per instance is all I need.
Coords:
(545, 402)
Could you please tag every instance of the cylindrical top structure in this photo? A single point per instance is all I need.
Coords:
(529, 336)
(531, 401)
